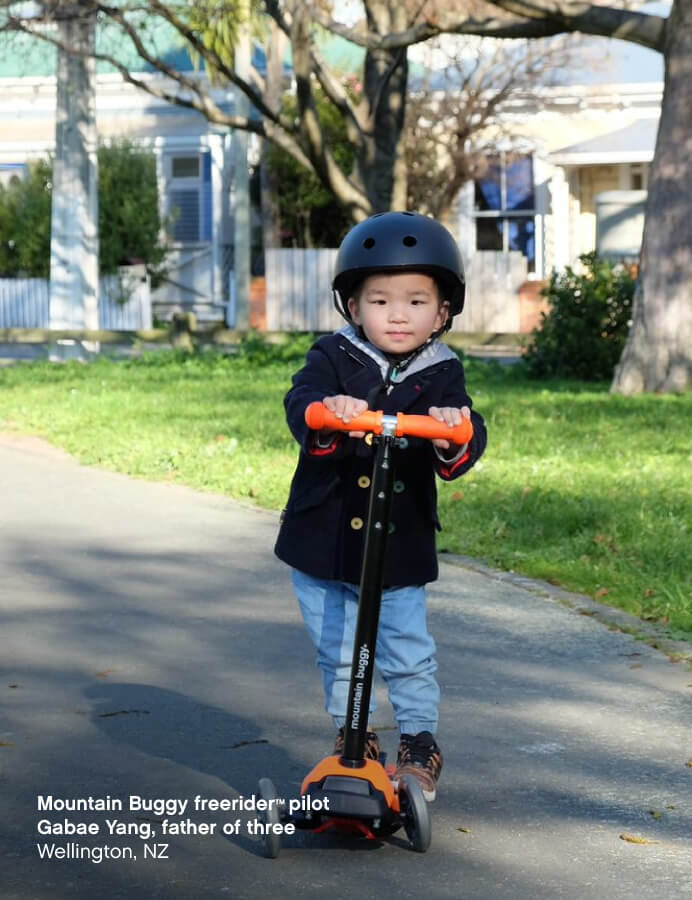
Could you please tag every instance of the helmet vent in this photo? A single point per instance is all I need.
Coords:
(369, 243)
(410, 241)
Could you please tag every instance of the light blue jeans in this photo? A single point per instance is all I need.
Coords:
(404, 656)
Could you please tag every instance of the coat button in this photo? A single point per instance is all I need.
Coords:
(364, 481)
(356, 523)
(399, 487)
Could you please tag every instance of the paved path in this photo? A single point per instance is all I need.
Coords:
(150, 647)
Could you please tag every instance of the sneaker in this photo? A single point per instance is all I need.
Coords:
(372, 745)
(420, 756)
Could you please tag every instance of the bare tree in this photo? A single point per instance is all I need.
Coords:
(457, 116)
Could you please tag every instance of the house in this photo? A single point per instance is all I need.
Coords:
(193, 164)
(578, 185)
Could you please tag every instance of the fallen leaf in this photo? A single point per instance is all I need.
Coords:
(221, 437)
(635, 839)
(6, 744)
(601, 592)
(525, 490)
(464, 830)
(105, 673)
(637, 666)
(457, 495)
(656, 814)
(689, 763)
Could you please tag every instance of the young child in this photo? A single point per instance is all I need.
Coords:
(399, 281)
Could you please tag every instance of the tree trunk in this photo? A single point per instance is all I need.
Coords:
(269, 189)
(380, 164)
(74, 250)
(658, 352)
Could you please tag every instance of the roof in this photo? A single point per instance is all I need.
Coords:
(632, 144)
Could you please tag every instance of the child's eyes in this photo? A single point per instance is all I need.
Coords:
(414, 301)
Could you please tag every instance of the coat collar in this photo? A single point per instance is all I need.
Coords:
(434, 353)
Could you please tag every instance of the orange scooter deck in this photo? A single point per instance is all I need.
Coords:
(371, 771)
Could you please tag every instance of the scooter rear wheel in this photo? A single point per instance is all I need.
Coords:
(416, 815)
(272, 841)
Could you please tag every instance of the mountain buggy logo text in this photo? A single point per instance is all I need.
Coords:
(363, 660)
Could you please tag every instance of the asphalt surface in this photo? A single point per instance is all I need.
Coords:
(150, 648)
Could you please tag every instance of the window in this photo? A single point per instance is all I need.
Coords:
(639, 173)
(12, 173)
(504, 207)
(189, 197)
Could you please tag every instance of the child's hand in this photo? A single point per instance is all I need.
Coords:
(346, 408)
(451, 416)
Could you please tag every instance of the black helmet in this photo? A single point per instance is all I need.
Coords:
(399, 241)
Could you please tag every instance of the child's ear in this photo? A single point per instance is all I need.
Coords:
(442, 315)
(353, 308)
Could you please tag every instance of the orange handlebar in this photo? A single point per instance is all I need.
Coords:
(318, 417)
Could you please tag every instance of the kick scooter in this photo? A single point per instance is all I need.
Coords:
(349, 792)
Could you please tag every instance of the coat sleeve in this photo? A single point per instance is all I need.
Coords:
(316, 380)
(455, 394)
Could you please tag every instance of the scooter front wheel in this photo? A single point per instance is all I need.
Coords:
(416, 815)
(272, 840)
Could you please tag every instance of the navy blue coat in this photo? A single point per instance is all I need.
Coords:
(323, 525)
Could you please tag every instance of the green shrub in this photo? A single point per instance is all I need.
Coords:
(129, 222)
(258, 351)
(25, 224)
(583, 333)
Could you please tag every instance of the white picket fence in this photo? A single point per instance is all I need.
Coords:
(24, 302)
(299, 292)
(299, 295)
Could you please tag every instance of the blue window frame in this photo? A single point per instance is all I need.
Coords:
(190, 197)
(504, 206)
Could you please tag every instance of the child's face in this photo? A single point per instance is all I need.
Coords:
(398, 312)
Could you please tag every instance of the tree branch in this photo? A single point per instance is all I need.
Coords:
(117, 15)
(199, 99)
(335, 91)
(521, 19)
(311, 128)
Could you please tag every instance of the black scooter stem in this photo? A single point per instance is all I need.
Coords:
(369, 602)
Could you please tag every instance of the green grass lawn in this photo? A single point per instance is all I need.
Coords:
(586, 490)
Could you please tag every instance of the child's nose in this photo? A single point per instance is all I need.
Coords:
(397, 313)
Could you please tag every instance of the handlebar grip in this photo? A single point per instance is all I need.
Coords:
(318, 417)
(427, 427)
